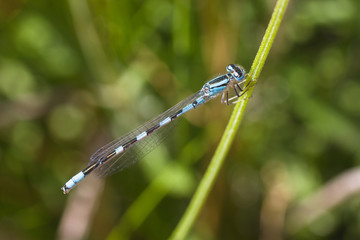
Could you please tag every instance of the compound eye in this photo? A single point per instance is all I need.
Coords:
(236, 71)
(230, 68)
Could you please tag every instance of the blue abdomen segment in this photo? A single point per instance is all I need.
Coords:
(73, 181)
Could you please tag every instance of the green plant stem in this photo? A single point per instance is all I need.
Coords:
(198, 200)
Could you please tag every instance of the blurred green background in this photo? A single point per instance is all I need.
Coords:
(75, 75)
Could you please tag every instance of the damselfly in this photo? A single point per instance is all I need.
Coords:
(125, 150)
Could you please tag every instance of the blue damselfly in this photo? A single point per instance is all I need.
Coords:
(125, 150)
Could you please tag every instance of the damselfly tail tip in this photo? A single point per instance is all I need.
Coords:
(65, 189)
(72, 182)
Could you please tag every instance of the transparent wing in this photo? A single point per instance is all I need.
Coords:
(137, 151)
(140, 148)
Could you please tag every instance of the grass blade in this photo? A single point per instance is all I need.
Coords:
(198, 200)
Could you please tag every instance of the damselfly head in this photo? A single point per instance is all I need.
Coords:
(237, 71)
